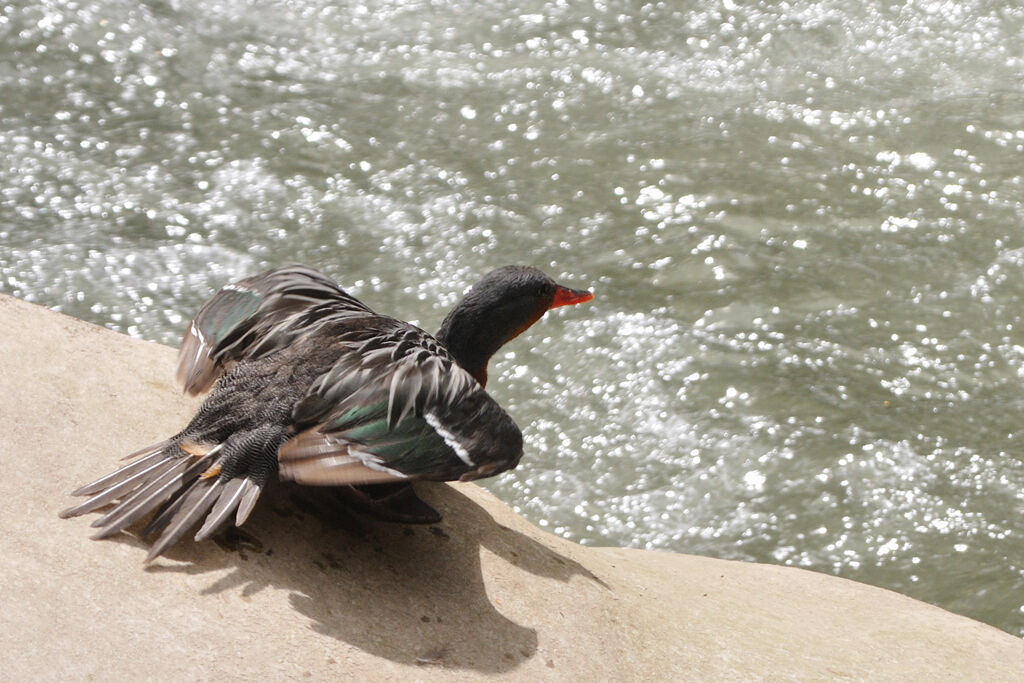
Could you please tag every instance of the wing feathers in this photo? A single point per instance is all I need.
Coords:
(255, 316)
(315, 459)
(395, 406)
(325, 472)
(405, 385)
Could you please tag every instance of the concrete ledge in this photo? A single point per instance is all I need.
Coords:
(483, 594)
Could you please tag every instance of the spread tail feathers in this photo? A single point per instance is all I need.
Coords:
(172, 479)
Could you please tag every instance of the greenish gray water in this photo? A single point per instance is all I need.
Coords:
(804, 225)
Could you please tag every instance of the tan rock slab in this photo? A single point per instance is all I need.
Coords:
(318, 594)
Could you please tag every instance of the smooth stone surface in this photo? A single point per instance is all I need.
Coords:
(482, 594)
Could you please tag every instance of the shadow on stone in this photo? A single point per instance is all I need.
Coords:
(412, 594)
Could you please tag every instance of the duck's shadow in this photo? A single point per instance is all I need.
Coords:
(414, 595)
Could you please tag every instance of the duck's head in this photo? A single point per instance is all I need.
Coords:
(498, 308)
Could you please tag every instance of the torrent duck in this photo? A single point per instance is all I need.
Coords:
(311, 384)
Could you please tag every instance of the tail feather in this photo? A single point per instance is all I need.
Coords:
(249, 498)
(146, 450)
(163, 516)
(218, 498)
(222, 509)
(147, 457)
(129, 481)
(149, 497)
(195, 503)
(172, 482)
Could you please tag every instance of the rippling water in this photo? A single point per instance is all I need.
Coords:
(804, 223)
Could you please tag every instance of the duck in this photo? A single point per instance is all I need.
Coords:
(311, 385)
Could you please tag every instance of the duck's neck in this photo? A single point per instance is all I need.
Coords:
(471, 341)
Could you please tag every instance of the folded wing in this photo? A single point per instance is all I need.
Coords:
(396, 406)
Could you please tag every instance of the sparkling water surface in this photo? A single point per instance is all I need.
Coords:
(803, 223)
